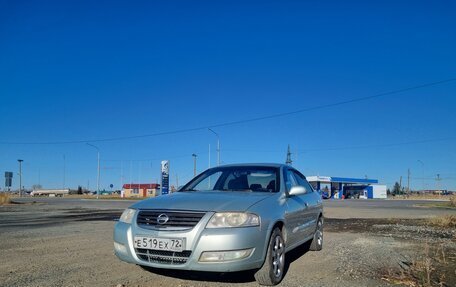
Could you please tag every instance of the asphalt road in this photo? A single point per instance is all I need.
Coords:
(63, 202)
(381, 208)
(372, 208)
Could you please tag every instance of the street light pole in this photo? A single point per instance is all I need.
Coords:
(20, 176)
(64, 171)
(194, 164)
(218, 145)
(98, 168)
(422, 165)
(98, 173)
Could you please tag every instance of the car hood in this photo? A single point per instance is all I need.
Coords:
(204, 201)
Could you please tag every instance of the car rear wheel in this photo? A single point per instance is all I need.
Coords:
(271, 273)
(317, 241)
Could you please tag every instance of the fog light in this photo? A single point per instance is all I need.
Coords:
(222, 256)
(120, 248)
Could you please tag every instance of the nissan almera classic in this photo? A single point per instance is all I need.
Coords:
(228, 218)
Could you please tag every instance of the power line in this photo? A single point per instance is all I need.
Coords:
(285, 114)
(349, 147)
(433, 178)
(150, 159)
(382, 145)
(336, 103)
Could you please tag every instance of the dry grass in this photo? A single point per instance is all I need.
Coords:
(113, 196)
(453, 201)
(432, 268)
(447, 202)
(444, 221)
(4, 199)
(425, 196)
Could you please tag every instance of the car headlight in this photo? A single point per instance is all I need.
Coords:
(233, 219)
(127, 215)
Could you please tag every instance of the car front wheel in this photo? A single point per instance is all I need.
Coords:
(271, 273)
(317, 241)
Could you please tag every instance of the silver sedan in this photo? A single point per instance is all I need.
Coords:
(228, 218)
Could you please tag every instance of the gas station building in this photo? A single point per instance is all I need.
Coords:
(342, 187)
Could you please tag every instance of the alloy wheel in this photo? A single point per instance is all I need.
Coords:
(278, 256)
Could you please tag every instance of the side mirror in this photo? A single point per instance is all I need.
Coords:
(297, 190)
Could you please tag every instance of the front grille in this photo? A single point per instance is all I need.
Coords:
(163, 257)
(176, 219)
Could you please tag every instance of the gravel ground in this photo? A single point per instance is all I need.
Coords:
(44, 245)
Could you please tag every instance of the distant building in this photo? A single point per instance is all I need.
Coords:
(140, 190)
(342, 187)
(50, 192)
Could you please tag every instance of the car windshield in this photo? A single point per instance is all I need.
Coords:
(238, 178)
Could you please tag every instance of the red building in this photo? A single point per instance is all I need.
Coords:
(140, 189)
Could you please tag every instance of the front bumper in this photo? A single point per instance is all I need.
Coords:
(197, 240)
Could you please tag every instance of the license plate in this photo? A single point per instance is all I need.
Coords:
(157, 243)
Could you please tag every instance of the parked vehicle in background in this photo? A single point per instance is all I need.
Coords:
(228, 218)
(50, 192)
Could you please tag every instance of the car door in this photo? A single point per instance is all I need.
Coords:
(297, 216)
(313, 201)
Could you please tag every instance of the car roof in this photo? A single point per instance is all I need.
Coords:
(276, 165)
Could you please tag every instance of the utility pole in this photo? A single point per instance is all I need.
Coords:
(194, 164)
(218, 151)
(218, 146)
(438, 179)
(408, 181)
(20, 176)
(209, 181)
(422, 180)
(400, 184)
(98, 173)
(288, 161)
(64, 170)
(98, 168)
(121, 175)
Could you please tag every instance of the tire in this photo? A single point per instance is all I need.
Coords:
(271, 273)
(317, 241)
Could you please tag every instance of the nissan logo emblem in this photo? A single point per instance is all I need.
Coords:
(162, 219)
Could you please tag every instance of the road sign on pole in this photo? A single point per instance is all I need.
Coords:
(164, 177)
(8, 179)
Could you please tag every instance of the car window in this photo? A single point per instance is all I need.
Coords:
(208, 183)
(242, 178)
(302, 181)
(255, 180)
(290, 180)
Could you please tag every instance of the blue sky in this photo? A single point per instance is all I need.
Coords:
(80, 71)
